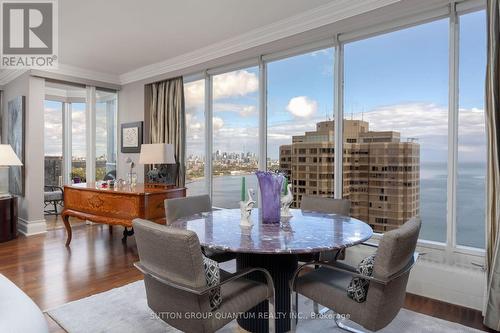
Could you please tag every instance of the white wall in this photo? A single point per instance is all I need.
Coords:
(30, 210)
(130, 109)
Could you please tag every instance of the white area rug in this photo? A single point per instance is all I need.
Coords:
(125, 309)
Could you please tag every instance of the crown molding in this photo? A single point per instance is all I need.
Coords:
(84, 73)
(308, 20)
(7, 75)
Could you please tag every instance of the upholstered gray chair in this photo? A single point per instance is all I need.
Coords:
(329, 206)
(183, 207)
(326, 205)
(176, 286)
(52, 196)
(394, 259)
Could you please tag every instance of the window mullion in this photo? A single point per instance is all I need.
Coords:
(208, 134)
(452, 128)
(338, 95)
(262, 115)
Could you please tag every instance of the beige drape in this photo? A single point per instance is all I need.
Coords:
(165, 103)
(492, 112)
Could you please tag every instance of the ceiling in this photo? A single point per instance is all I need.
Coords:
(118, 36)
(121, 41)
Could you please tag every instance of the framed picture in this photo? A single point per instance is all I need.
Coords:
(15, 137)
(131, 137)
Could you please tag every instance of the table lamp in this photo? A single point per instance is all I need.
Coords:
(157, 153)
(8, 158)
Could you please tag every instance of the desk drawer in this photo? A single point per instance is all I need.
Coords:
(104, 204)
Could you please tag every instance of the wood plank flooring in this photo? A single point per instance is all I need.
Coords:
(52, 274)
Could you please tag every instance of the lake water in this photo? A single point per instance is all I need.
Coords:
(433, 188)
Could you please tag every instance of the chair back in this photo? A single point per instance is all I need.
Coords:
(326, 205)
(395, 252)
(183, 207)
(174, 255)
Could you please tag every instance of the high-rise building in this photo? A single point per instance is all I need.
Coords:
(381, 174)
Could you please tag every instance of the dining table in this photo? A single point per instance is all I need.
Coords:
(275, 247)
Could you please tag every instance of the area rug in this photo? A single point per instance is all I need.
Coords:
(125, 309)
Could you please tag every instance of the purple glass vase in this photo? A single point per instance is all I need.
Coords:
(270, 184)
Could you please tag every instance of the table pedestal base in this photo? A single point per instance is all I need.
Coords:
(281, 267)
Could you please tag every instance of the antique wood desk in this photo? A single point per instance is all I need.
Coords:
(116, 206)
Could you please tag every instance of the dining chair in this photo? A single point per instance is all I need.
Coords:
(394, 258)
(328, 206)
(176, 283)
(177, 208)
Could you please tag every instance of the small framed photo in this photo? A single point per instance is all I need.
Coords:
(131, 137)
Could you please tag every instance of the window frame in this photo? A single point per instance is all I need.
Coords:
(448, 252)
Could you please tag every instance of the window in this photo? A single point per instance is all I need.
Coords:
(53, 142)
(300, 120)
(194, 94)
(105, 150)
(235, 135)
(396, 128)
(471, 131)
(66, 134)
(79, 143)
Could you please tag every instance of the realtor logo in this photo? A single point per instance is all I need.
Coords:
(29, 34)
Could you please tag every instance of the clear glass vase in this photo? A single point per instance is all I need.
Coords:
(270, 184)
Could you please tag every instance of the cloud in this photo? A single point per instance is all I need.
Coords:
(218, 123)
(302, 106)
(241, 109)
(235, 84)
(428, 122)
(228, 85)
(194, 93)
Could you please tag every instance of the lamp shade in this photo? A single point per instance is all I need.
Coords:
(8, 157)
(157, 153)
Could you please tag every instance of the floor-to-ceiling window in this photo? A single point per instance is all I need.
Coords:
(67, 133)
(105, 150)
(194, 94)
(300, 127)
(396, 128)
(235, 124)
(406, 149)
(53, 142)
(79, 142)
(471, 169)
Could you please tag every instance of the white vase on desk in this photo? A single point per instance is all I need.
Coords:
(246, 209)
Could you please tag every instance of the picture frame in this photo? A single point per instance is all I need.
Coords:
(131, 137)
(16, 118)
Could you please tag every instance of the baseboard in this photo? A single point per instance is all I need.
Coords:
(30, 228)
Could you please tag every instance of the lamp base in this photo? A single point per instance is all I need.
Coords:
(164, 174)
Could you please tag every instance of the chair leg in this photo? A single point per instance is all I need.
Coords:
(344, 327)
(272, 315)
(294, 315)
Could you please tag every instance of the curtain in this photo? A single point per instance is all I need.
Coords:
(165, 104)
(492, 112)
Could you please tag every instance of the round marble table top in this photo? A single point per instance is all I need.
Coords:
(304, 232)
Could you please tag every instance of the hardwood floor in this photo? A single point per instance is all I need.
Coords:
(52, 274)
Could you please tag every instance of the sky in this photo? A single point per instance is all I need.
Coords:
(53, 129)
(396, 81)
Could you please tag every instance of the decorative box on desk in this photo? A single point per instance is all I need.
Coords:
(8, 218)
(118, 205)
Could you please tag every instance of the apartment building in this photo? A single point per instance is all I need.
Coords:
(380, 177)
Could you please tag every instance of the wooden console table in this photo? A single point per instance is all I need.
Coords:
(116, 206)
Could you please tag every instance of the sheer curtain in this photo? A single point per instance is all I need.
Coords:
(165, 107)
(492, 112)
